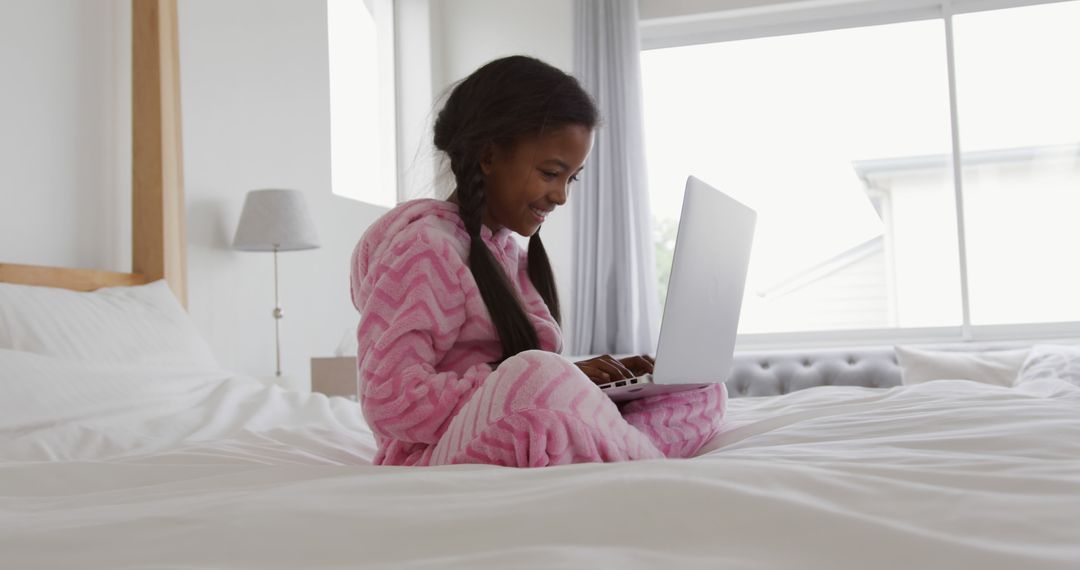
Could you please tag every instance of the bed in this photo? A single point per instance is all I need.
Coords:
(124, 445)
(125, 466)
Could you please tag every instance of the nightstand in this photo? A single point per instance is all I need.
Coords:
(334, 376)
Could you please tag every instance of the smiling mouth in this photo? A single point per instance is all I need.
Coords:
(539, 214)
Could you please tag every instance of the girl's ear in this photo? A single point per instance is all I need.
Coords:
(487, 159)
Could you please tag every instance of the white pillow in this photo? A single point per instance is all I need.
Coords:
(144, 324)
(998, 367)
(1051, 361)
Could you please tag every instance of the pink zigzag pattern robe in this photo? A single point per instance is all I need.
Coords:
(425, 338)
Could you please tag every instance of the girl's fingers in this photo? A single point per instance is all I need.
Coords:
(633, 370)
(609, 371)
(638, 365)
(606, 368)
(616, 367)
(594, 374)
(599, 376)
(632, 363)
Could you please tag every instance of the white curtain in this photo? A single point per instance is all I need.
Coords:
(616, 309)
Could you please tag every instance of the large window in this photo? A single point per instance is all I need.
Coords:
(843, 140)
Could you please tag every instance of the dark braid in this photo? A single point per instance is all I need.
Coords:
(499, 104)
(542, 277)
(471, 200)
(515, 331)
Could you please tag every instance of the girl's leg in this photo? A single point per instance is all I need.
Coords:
(680, 423)
(539, 409)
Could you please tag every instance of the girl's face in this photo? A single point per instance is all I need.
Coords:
(526, 182)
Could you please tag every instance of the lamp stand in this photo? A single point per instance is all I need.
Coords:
(278, 314)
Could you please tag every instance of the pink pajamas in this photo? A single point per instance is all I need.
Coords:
(539, 409)
(431, 398)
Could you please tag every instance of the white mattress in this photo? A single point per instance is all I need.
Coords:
(102, 467)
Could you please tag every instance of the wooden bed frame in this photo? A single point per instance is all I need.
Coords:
(159, 242)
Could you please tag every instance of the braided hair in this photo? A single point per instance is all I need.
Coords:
(498, 105)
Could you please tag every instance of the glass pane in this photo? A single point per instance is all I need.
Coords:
(1019, 104)
(840, 140)
(362, 158)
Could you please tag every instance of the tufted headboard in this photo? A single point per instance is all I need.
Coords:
(769, 373)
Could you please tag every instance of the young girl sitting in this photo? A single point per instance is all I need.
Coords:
(459, 335)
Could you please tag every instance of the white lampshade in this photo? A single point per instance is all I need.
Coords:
(275, 219)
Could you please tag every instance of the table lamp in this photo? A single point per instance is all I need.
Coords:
(275, 220)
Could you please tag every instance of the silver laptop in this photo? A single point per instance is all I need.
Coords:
(705, 292)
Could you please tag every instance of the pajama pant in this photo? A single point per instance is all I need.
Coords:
(538, 409)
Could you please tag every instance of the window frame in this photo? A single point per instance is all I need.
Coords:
(796, 17)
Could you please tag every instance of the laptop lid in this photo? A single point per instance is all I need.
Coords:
(705, 287)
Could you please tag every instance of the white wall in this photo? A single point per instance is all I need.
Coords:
(466, 34)
(64, 134)
(474, 32)
(255, 103)
(255, 90)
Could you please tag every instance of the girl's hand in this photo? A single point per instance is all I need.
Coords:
(604, 369)
(639, 365)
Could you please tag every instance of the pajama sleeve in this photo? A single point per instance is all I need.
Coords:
(412, 315)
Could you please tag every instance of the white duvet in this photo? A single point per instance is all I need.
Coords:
(104, 467)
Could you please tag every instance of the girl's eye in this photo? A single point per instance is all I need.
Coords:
(548, 175)
(574, 178)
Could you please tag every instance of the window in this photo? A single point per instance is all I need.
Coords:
(1019, 104)
(363, 161)
(841, 137)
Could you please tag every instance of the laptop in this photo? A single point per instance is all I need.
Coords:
(705, 292)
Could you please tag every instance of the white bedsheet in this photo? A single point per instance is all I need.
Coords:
(141, 468)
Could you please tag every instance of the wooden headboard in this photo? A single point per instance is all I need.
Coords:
(159, 239)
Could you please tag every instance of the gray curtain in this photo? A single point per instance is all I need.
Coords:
(615, 307)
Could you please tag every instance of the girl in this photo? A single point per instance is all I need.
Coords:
(460, 328)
